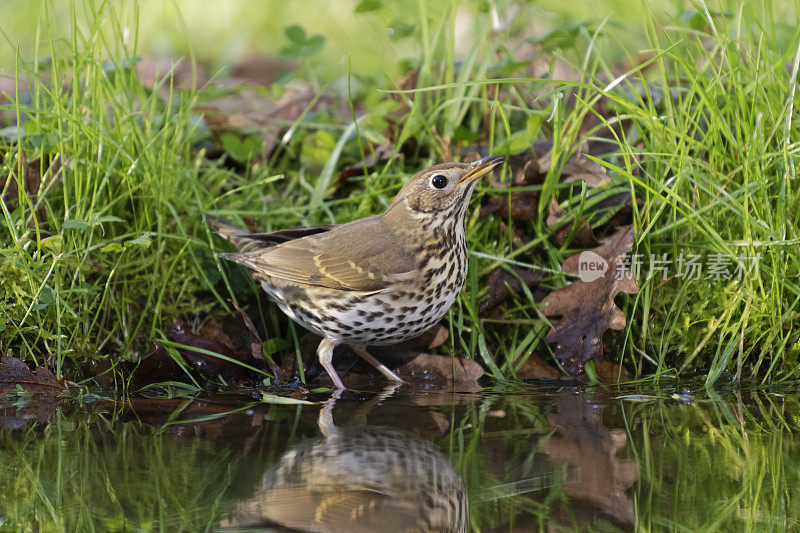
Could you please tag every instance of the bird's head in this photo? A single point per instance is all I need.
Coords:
(443, 189)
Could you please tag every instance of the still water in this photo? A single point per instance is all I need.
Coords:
(546, 457)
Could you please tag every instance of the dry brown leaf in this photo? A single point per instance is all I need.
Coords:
(14, 372)
(578, 168)
(374, 154)
(32, 181)
(530, 174)
(262, 70)
(444, 144)
(587, 308)
(418, 369)
(181, 333)
(256, 344)
(155, 70)
(153, 367)
(537, 368)
(251, 109)
(583, 236)
(440, 369)
(471, 157)
(521, 205)
(596, 475)
(581, 168)
(609, 372)
(428, 340)
(500, 281)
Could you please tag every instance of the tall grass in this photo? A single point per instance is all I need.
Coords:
(114, 252)
(707, 151)
(708, 148)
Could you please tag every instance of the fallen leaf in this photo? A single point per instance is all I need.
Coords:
(14, 372)
(582, 237)
(444, 144)
(581, 168)
(262, 70)
(430, 339)
(214, 330)
(155, 366)
(501, 283)
(155, 71)
(415, 368)
(587, 308)
(471, 157)
(596, 475)
(440, 369)
(623, 204)
(522, 205)
(32, 181)
(211, 366)
(578, 168)
(374, 154)
(218, 336)
(256, 344)
(248, 109)
(609, 372)
(535, 367)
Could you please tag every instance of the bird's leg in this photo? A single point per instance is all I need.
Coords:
(325, 418)
(325, 354)
(364, 354)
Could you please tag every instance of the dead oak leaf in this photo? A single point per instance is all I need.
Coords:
(521, 205)
(589, 449)
(578, 168)
(501, 283)
(582, 237)
(440, 369)
(14, 373)
(587, 308)
(581, 168)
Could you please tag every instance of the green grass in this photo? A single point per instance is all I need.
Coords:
(122, 250)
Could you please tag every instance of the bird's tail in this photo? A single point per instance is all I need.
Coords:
(239, 237)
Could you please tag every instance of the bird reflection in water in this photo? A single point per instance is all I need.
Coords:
(358, 479)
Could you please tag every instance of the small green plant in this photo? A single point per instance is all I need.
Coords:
(301, 45)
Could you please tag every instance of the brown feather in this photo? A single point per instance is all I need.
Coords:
(359, 256)
(337, 510)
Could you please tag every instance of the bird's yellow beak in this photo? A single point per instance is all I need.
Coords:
(480, 168)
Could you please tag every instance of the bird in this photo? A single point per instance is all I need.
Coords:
(359, 478)
(378, 280)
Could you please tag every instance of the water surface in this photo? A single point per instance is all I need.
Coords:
(536, 457)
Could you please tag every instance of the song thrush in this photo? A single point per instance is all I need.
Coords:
(360, 478)
(379, 280)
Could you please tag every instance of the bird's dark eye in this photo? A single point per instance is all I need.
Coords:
(439, 181)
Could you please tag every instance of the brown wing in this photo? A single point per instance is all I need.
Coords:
(290, 234)
(248, 242)
(363, 255)
(337, 510)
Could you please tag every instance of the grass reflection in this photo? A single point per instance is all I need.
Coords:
(530, 459)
